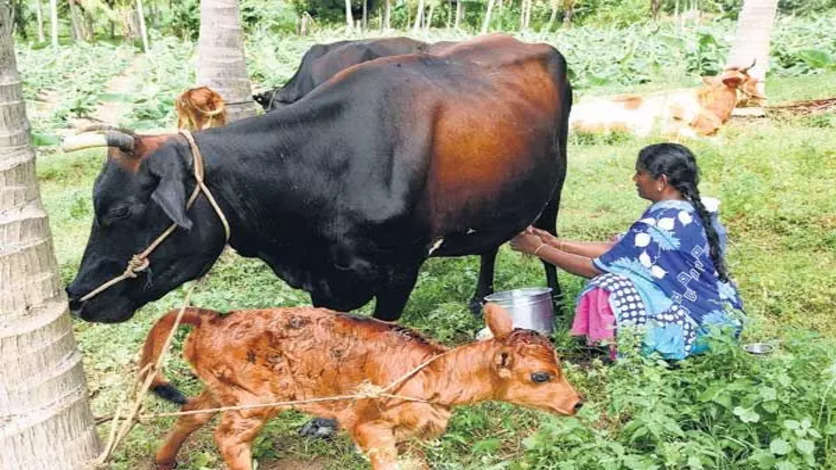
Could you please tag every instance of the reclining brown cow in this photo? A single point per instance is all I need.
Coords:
(286, 354)
(687, 112)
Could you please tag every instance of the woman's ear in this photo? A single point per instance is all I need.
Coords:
(498, 320)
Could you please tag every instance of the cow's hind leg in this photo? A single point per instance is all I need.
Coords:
(185, 425)
(234, 436)
(485, 285)
(548, 222)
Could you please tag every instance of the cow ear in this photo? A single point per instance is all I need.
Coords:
(170, 194)
(733, 80)
(498, 320)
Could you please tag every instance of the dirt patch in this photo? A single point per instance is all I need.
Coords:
(317, 463)
(804, 107)
(112, 111)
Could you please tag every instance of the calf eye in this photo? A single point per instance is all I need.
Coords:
(540, 377)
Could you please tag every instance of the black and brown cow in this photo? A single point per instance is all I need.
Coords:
(347, 192)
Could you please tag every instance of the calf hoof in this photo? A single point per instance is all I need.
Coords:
(164, 465)
(475, 306)
(319, 427)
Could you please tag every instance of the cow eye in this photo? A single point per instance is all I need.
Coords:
(540, 377)
(119, 212)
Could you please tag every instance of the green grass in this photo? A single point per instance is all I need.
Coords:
(775, 178)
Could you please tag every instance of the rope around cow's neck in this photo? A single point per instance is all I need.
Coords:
(140, 262)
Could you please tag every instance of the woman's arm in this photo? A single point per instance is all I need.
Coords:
(579, 265)
(588, 249)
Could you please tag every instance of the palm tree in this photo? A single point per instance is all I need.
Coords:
(220, 57)
(45, 419)
(754, 30)
(349, 19)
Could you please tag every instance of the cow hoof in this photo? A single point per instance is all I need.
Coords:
(320, 428)
(475, 306)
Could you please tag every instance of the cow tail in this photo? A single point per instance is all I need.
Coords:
(154, 346)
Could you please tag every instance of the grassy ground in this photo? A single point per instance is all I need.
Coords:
(775, 177)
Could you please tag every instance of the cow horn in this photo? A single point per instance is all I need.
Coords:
(746, 70)
(117, 139)
(105, 127)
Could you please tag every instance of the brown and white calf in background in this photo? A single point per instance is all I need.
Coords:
(284, 354)
(686, 112)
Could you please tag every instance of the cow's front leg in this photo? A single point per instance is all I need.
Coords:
(377, 441)
(392, 297)
(485, 285)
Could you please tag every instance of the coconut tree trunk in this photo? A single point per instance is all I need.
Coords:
(458, 13)
(220, 57)
(142, 31)
(568, 12)
(419, 16)
(365, 15)
(40, 14)
(751, 43)
(388, 15)
(53, 20)
(45, 420)
(349, 18)
(487, 22)
(428, 23)
(552, 16)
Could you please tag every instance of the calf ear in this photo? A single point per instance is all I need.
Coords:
(170, 194)
(503, 360)
(498, 320)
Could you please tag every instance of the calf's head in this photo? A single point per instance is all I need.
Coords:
(527, 368)
(135, 198)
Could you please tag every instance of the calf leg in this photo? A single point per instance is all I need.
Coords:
(234, 436)
(184, 426)
(485, 285)
(377, 440)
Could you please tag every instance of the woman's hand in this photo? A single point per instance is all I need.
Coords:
(546, 237)
(527, 242)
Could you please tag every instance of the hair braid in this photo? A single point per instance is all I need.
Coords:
(691, 193)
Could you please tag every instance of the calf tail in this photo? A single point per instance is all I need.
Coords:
(154, 347)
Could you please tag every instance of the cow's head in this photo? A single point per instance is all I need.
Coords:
(737, 79)
(528, 369)
(137, 195)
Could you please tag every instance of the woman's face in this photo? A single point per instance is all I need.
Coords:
(646, 185)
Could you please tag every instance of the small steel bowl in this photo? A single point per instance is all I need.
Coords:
(759, 348)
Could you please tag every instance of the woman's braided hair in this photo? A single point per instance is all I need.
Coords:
(680, 166)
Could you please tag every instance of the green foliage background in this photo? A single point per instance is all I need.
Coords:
(725, 410)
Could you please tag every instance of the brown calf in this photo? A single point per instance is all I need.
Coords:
(687, 112)
(200, 108)
(285, 354)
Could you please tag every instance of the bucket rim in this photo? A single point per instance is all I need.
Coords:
(517, 293)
